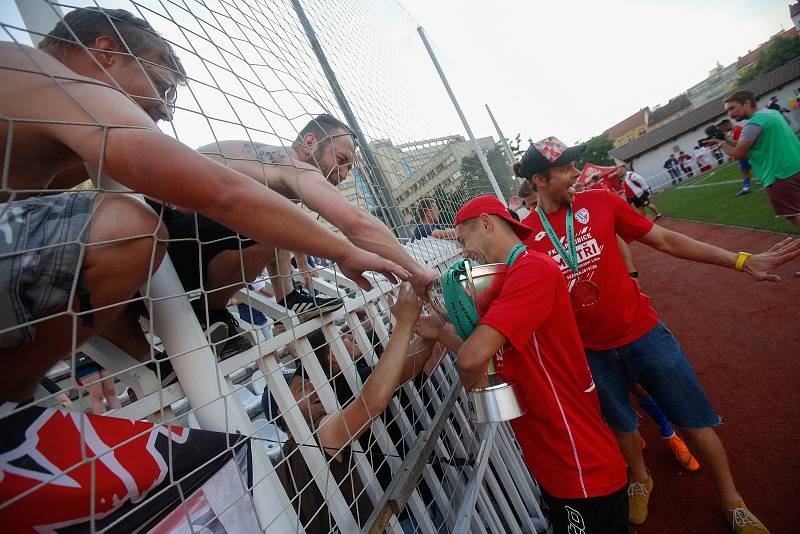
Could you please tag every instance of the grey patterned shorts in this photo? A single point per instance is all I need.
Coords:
(41, 254)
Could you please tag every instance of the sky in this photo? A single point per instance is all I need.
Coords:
(572, 69)
(569, 69)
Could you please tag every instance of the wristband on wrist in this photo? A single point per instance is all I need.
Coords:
(740, 260)
(634, 274)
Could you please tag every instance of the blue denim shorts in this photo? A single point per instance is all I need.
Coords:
(41, 252)
(657, 362)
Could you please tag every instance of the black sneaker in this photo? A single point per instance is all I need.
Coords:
(306, 306)
(237, 342)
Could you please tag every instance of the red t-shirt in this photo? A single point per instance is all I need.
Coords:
(567, 446)
(622, 313)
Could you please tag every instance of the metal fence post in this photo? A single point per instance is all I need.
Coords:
(509, 154)
(378, 178)
(478, 149)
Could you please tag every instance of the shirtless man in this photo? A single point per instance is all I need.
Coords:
(68, 262)
(308, 171)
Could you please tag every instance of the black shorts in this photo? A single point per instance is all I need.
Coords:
(595, 515)
(194, 241)
(642, 201)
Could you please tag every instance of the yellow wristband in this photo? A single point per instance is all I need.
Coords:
(741, 259)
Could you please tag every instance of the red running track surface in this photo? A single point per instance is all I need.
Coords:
(743, 339)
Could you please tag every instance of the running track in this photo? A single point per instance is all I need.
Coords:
(743, 339)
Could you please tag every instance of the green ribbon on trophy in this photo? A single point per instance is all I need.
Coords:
(460, 308)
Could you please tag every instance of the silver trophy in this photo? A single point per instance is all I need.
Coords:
(497, 400)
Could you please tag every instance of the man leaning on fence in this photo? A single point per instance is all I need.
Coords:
(404, 358)
(70, 262)
(308, 171)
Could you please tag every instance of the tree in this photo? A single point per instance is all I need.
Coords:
(475, 177)
(597, 149)
(780, 50)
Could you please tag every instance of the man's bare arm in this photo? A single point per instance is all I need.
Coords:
(145, 160)
(301, 181)
(476, 353)
(757, 265)
(344, 426)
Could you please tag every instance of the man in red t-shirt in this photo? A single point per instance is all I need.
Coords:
(530, 331)
(621, 332)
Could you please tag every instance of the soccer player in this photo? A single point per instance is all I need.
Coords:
(529, 331)
(620, 330)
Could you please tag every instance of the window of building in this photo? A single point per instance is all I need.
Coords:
(450, 160)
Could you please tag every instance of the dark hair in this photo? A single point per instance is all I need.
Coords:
(322, 350)
(516, 167)
(545, 173)
(513, 214)
(525, 188)
(741, 97)
(323, 127)
(84, 25)
(425, 206)
(724, 121)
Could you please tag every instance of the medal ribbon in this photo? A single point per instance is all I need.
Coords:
(571, 257)
(518, 249)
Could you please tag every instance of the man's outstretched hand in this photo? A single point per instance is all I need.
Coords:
(421, 282)
(759, 265)
(354, 264)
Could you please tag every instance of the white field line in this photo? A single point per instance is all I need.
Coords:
(692, 186)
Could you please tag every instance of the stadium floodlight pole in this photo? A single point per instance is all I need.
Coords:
(509, 154)
(35, 13)
(378, 179)
(478, 149)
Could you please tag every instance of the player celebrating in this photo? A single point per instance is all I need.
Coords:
(620, 331)
(530, 331)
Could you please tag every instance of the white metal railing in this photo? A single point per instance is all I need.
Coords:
(504, 495)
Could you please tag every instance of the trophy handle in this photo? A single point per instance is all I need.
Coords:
(472, 293)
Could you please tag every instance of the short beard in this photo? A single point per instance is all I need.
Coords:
(316, 158)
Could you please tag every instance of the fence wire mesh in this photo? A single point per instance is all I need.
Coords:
(197, 379)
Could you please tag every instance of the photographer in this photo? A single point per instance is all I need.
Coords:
(773, 150)
(731, 136)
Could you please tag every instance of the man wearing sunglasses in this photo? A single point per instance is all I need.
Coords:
(70, 263)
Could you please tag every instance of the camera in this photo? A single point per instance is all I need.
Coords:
(713, 132)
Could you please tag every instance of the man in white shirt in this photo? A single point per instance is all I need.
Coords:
(637, 192)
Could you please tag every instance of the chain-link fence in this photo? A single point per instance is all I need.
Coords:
(272, 389)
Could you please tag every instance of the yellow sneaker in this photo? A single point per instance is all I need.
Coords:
(742, 520)
(682, 453)
(638, 498)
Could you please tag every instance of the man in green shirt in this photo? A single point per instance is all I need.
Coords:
(773, 149)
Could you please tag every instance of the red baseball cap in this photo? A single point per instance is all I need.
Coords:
(490, 205)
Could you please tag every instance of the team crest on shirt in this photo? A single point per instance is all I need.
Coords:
(582, 215)
(540, 236)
